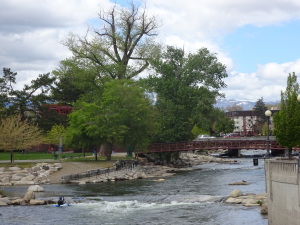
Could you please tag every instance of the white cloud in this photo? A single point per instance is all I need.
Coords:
(268, 81)
(30, 32)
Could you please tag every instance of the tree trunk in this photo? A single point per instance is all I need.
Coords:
(12, 156)
(106, 150)
(288, 153)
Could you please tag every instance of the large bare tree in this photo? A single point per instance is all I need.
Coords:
(122, 44)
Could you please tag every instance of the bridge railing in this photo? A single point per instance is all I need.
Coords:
(215, 144)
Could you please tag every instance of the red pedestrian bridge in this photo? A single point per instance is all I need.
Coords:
(218, 144)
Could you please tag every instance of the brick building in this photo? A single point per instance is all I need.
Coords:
(245, 120)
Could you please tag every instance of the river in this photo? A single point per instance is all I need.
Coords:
(189, 198)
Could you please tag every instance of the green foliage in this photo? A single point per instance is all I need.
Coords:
(197, 131)
(56, 134)
(26, 101)
(74, 78)
(221, 123)
(287, 120)
(260, 108)
(123, 115)
(17, 134)
(186, 88)
(47, 118)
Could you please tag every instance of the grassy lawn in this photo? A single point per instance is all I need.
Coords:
(64, 157)
(39, 155)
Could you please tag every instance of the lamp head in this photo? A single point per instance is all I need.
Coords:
(268, 113)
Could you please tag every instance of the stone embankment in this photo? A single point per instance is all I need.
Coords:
(155, 169)
(43, 172)
(38, 174)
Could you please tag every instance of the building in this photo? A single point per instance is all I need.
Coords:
(245, 121)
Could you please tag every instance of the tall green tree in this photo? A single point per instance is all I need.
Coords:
(260, 108)
(124, 115)
(186, 87)
(287, 120)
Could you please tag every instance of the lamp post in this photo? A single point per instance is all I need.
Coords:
(268, 113)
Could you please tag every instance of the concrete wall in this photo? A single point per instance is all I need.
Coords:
(282, 183)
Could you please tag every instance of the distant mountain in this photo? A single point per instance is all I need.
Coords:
(247, 105)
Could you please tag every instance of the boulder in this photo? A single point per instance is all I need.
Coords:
(159, 180)
(2, 203)
(5, 180)
(46, 167)
(35, 188)
(236, 193)
(140, 175)
(18, 201)
(58, 165)
(28, 196)
(264, 209)
(29, 177)
(231, 200)
(239, 183)
(16, 177)
(6, 200)
(23, 182)
(37, 202)
(36, 168)
(14, 168)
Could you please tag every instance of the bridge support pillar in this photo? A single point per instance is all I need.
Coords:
(233, 152)
(239, 153)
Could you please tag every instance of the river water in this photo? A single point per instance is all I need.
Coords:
(189, 198)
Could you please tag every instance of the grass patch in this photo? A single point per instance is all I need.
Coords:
(39, 155)
(64, 157)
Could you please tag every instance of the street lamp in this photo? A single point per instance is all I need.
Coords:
(268, 113)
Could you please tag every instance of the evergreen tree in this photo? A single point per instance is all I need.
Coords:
(260, 108)
(287, 120)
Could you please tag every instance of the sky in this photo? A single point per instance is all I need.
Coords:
(257, 40)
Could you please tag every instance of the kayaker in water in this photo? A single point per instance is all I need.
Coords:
(61, 201)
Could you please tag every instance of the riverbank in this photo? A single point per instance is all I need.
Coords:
(51, 173)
